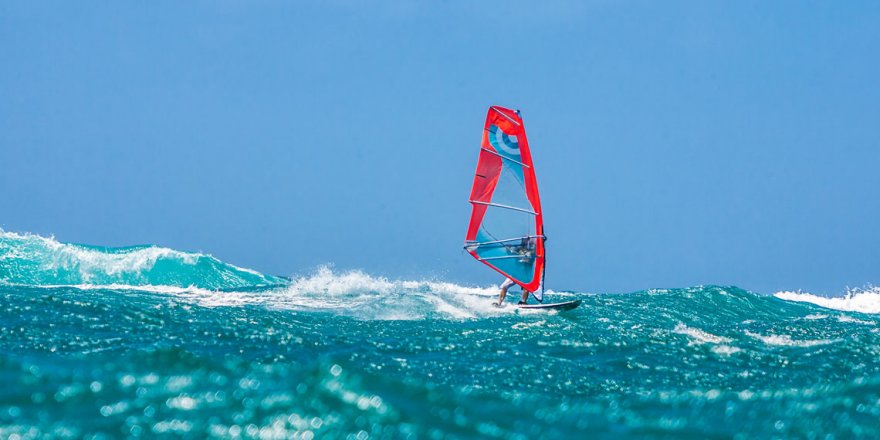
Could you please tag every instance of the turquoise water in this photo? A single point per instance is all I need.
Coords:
(146, 342)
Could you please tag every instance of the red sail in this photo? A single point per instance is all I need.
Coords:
(506, 229)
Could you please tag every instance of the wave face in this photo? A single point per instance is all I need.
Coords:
(128, 353)
(28, 259)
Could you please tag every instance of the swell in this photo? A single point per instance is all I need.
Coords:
(33, 260)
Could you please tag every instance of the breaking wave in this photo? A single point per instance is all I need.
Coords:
(28, 259)
(359, 295)
(865, 300)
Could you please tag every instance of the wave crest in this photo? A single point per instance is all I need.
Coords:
(865, 300)
(28, 259)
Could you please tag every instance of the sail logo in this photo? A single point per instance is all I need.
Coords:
(502, 141)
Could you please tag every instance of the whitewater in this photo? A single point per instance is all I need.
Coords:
(147, 341)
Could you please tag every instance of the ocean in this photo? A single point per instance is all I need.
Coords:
(152, 342)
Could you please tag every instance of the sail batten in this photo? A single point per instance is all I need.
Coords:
(498, 205)
(506, 240)
(504, 157)
(505, 203)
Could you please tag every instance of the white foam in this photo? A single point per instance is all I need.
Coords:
(815, 316)
(150, 288)
(527, 325)
(865, 300)
(443, 306)
(699, 336)
(198, 295)
(850, 319)
(332, 285)
(725, 350)
(785, 340)
(357, 294)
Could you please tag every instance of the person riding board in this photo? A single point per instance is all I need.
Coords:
(506, 285)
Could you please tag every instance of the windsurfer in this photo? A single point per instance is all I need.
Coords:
(507, 285)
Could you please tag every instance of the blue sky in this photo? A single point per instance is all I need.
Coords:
(676, 143)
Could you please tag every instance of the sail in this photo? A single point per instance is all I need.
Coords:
(506, 230)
